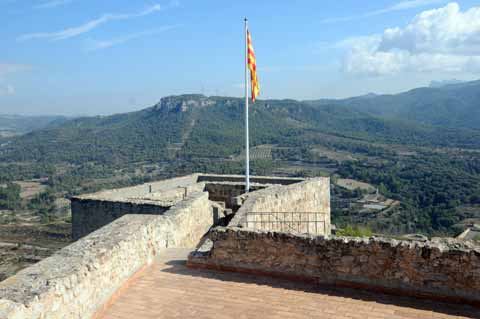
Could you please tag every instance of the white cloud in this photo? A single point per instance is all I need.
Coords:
(52, 4)
(403, 5)
(443, 39)
(88, 26)
(104, 44)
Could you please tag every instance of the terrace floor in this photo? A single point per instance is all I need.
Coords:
(168, 289)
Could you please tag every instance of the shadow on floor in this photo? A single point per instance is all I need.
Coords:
(179, 267)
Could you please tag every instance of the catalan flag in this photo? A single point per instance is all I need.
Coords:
(252, 66)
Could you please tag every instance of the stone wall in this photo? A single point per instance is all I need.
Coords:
(78, 280)
(141, 190)
(253, 179)
(440, 268)
(307, 202)
(92, 211)
(227, 192)
(89, 215)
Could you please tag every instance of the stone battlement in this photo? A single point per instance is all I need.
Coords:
(122, 231)
(78, 280)
(92, 211)
(440, 269)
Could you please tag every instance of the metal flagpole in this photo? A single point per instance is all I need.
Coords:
(247, 146)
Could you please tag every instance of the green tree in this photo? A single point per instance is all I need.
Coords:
(10, 196)
(354, 231)
(44, 205)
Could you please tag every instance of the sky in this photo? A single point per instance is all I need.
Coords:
(90, 57)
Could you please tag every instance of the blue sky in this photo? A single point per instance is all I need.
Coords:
(100, 57)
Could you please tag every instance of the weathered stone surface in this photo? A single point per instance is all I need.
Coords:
(227, 192)
(92, 211)
(90, 215)
(123, 194)
(272, 180)
(307, 201)
(79, 279)
(441, 267)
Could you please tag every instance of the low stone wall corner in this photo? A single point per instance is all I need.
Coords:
(78, 280)
(443, 269)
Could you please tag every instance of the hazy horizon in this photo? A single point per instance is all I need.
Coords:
(80, 57)
(208, 96)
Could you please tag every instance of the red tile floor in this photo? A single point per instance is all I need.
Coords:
(167, 289)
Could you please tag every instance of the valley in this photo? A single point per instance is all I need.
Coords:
(390, 174)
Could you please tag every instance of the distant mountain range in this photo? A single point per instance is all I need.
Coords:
(18, 124)
(452, 105)
(439, 84)
(190, 126)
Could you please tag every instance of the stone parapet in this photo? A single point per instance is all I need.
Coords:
(440, 268)
(92, 211)
(78, 280)
(266, 180)
(89, 215)
(122, 194)
(311, 196)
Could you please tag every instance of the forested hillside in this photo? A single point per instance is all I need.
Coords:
(432, 170)
(212, 127)
(17, 124)
(452, 105)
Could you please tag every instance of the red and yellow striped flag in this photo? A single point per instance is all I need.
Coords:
(252, 66)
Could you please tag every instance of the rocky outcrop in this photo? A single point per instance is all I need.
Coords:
(182, 103)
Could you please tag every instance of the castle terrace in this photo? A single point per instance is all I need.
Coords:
(130, 259)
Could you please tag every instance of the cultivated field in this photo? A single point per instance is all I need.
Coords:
(22, 245)
(30, 189)
(333, 155)
(260, 152)
(352, 184)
